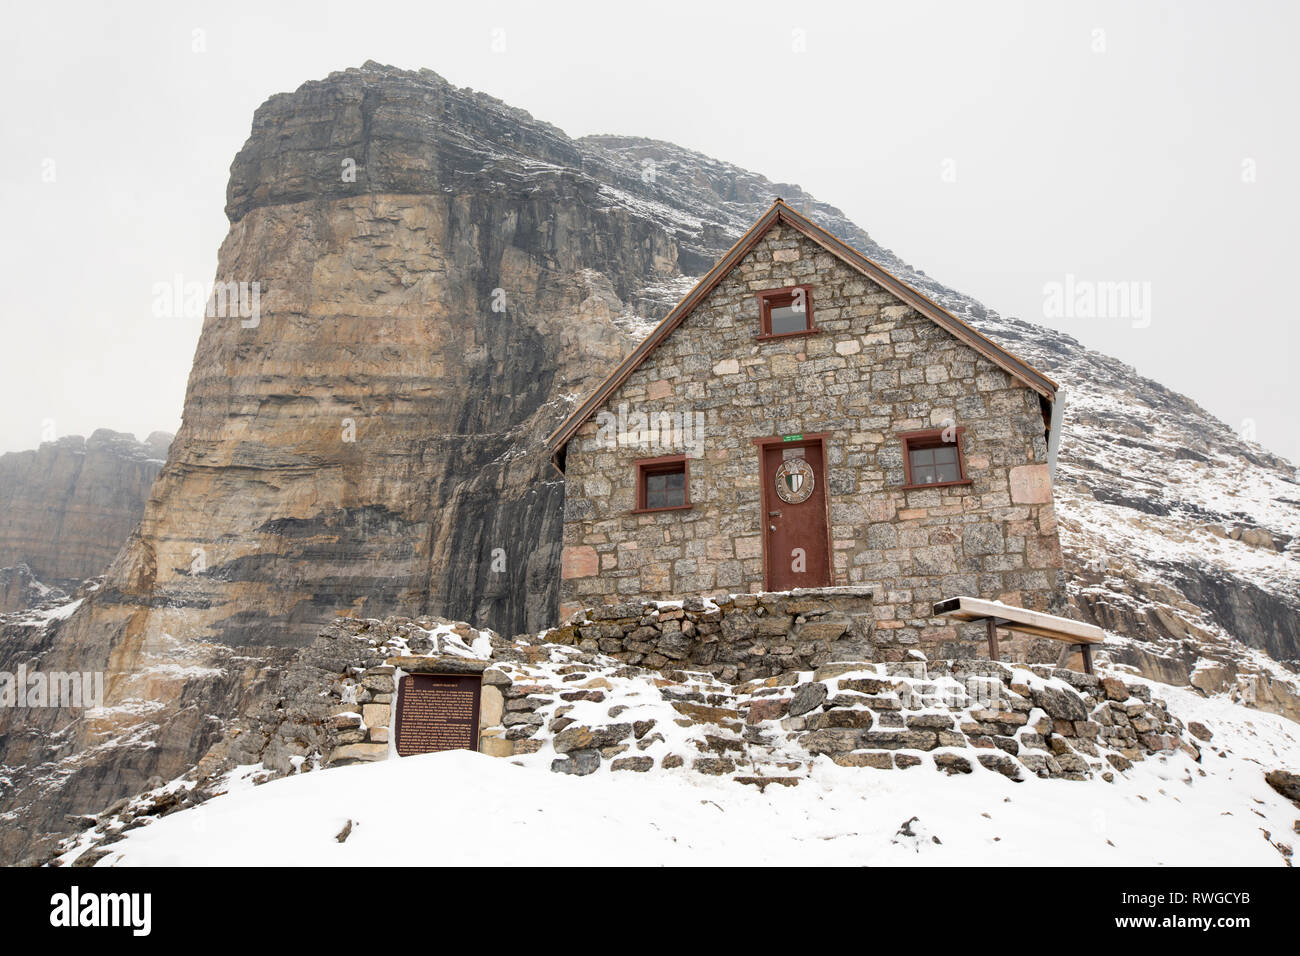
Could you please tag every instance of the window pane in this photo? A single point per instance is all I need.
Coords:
(786, 319)
(936, 463)
(673, 498)
(665, 489)
(948, 472)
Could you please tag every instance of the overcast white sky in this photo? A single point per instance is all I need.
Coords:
(997, 145)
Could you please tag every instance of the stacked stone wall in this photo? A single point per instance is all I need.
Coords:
(737, 637)
(579, 711)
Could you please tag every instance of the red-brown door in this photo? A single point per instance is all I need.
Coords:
(794, 515)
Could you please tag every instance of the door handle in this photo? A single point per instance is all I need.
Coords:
(771, 527)
(774, 514)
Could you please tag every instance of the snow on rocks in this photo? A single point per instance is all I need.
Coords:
(557, 711)
(579, 711)
(506, 814)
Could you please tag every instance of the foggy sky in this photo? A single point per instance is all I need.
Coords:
(998, 146)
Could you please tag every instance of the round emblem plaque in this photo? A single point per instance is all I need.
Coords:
(794, 481)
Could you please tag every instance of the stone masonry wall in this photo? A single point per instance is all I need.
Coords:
(578, 711)
(760, 716)
(739, 637)
(878, 369)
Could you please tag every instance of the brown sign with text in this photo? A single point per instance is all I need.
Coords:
(437, 712)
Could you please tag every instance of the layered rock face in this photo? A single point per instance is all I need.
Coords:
(363, 446)
(441, 278)
(66, 507)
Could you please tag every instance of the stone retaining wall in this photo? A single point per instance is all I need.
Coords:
(1050, 721)
(952, 716)
(760, 683)
(739, 637)
(580, 711)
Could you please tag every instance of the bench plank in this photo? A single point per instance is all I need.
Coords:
(1019, 619)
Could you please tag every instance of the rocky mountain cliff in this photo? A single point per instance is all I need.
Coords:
(66, 507)
(442, 277)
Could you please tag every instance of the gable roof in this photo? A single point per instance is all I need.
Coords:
(780, 212)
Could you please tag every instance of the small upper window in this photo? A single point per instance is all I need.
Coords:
(934, 458)
(786, 311)
(662, 483)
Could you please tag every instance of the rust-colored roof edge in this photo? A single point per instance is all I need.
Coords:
(999, 356)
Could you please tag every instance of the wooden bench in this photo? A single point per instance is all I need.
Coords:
(995, 614)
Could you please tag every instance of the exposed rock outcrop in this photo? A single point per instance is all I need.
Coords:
(19, 589)
(66, 507)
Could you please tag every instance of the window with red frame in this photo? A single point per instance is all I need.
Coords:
(662, 484)
(786, 311)
(933, 458)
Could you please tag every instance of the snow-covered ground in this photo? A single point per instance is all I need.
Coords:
(462, 808)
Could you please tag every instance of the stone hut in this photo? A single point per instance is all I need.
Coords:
(804, 419)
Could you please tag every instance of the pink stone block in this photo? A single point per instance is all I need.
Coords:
(579, 562)
(1031, 484)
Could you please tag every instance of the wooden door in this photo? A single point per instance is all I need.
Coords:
(794, 515)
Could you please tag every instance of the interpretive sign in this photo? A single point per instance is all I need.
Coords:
(437, 712)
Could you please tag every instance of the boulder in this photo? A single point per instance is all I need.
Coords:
(878, 759)
(951, 763)
(1115, 689)
(1285, 783)
(1000, 763)
(580, 737)
(1060, 704)
(635, 764)
(579, 763)
(807, 697)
